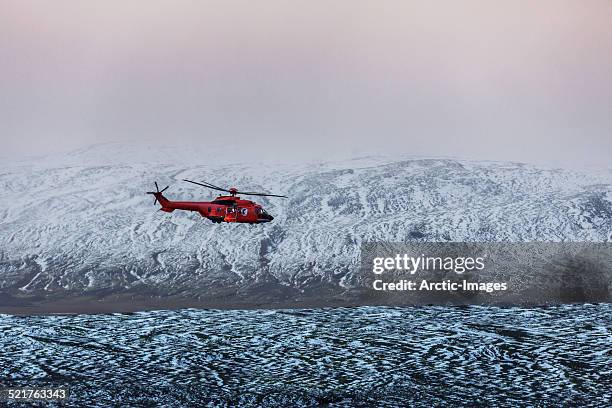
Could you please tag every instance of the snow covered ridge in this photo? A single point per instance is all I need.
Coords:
(81, 222)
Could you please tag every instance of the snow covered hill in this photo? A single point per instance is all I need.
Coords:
(81, 223)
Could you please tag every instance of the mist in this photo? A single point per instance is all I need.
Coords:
(506, 80)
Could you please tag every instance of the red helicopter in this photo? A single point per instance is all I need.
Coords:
(228, 208)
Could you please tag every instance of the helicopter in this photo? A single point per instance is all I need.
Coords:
(224, 208)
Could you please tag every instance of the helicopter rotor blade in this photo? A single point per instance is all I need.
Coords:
(212, 185)
(165, 188)
(206, 185)
(260, 194)
(151, 192)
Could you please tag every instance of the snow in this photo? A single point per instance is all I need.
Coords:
(82, 220)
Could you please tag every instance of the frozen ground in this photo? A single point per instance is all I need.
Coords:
(368, 356)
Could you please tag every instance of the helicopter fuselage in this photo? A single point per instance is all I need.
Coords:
(221, 209)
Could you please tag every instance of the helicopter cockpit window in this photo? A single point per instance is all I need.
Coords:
(244, 211)
(230, 210)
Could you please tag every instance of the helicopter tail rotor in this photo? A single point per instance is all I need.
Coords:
(157, 193)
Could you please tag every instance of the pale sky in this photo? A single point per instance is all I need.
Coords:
(499, 80)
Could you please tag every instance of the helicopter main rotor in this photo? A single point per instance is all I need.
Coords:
(233, 191)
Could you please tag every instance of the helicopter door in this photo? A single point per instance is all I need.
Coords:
(230, 214)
